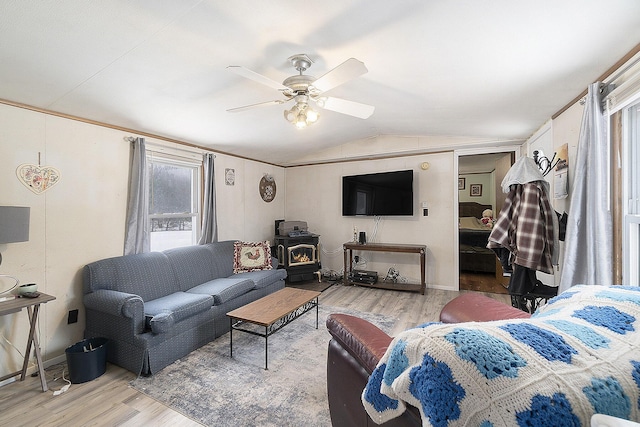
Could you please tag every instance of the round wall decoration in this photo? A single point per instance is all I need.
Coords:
(267, 188)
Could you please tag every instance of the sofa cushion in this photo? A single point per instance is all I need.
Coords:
(223, 290)
(263, 278)
(147, 275)
(179, 304)
(161, 323)
(192, 265)
(222, 257)
(251, 256)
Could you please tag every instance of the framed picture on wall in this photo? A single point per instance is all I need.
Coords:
(475, 190)
(229, 176)
(461, 183)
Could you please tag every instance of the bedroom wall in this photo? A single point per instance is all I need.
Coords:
(81, 219)
(488, 189)
(314, 195)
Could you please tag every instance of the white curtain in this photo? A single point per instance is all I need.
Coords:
(209, 222)
(137, 226)
(588, 251)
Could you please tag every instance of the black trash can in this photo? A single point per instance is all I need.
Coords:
(87, 359)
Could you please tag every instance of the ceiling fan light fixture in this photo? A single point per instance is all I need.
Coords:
(301, 121)
(303, 88)
(312, 116)
(301, 115)
(291, 114)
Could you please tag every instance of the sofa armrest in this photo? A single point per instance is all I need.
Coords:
(353, 354)
(116, 303)
(475, 307)
(119, 305)
(364, 341)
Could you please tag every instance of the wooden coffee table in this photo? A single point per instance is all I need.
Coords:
(272, 312)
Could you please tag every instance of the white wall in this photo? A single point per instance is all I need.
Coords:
(488, 189)
(314, 194)
(242, 214)
(81, 219)
(566, 130)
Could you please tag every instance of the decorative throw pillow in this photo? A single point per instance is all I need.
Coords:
(248, 256)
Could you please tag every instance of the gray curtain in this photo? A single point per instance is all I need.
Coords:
(137, 227)
(209, 223)
(589, 241)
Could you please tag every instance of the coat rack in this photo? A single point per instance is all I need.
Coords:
(544, 163)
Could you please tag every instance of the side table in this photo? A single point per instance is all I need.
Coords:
(421, 250)
(33, 307)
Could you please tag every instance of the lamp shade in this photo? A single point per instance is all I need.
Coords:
(14, 224)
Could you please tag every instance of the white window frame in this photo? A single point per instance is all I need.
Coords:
(624, 97)
(196, 195)
(631, 195)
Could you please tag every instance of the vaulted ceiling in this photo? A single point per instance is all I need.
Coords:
(491, 69)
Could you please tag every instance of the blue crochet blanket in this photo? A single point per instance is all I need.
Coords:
(577, 355)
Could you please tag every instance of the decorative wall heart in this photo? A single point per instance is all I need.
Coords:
(38, 178)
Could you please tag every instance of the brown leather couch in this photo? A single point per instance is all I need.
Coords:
(357, 346)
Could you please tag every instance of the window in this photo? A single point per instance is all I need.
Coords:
(174, 200)
(631, 129)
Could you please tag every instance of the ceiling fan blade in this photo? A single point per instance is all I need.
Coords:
(260, 104)
(348, 70)
(252, 75)
(343, 106)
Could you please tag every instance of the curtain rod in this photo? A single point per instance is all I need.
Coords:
(606, 74)
(176, 147)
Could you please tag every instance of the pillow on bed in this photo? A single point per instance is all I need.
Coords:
(472, 222)
(251, 256)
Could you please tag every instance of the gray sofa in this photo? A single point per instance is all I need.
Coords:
(158, 307)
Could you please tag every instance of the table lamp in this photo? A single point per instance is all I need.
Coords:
(14, 227)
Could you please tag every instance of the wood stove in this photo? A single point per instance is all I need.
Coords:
(299, 256)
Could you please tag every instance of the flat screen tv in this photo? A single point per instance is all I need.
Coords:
(378, 194)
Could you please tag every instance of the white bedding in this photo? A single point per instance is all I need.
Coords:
(472, 223)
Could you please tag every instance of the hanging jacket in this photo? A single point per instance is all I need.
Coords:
(527, 223)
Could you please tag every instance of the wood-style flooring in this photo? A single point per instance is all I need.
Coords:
(484, 282)
(109, 401)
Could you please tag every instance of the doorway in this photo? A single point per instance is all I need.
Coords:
(480, 199)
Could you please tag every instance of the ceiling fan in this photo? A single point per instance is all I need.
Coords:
(303, 88)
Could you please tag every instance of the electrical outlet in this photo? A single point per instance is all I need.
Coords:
(73, 317)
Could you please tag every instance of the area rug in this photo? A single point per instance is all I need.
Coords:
(215, 390)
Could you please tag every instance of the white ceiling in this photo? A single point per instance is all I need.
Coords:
(494, 69)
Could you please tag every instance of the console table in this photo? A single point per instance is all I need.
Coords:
(14, 305)
(349, 247)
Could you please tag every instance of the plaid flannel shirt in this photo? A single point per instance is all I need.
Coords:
(525, 227)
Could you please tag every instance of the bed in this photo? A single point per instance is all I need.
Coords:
(473, 238)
